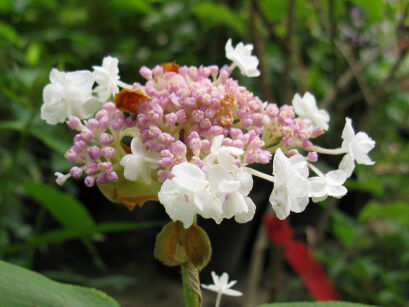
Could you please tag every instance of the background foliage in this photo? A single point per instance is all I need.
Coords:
(350, 54)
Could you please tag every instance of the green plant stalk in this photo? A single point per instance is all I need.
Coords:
(191, 298)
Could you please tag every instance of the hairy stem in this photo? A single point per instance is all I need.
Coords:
(191, 285)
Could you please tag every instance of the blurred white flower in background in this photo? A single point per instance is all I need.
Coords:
(221, 285)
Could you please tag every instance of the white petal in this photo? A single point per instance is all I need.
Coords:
(246, 216)
(297, 185)
(177, 202)
(189, 176)
(236, 204)
(132, 164)
(299, 204)
(347, 164)
(348, 133)
(54, 112)
(278, 200)
(245, 179)
(336, 191)
(232, 292)
(336, 177)
(318, 187)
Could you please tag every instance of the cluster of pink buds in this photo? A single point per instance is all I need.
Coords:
(195, 132)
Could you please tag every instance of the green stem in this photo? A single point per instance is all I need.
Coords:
(192, 298)
(218, 299)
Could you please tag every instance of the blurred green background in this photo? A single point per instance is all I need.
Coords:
(351, 54)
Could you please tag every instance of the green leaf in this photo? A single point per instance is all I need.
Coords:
(212, 14)
(343, 228)
(11, 125)
(273, 10)
(8, 33)
(22, 287)
(33, 53)
(134, 6)
(316, 304)
(64, 208)
(51, 139)
(396, 211)
(373, 8)
(83, 233)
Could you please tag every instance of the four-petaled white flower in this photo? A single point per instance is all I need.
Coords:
(306, 107)
(107, 77)
(231, 188)
(140, 163)
(329, 185)
(187, 194)
(68, 94)
(242, 58)
(291, 185)
(356, 146)
(221, 285)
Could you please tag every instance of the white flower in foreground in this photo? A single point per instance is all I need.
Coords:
(187, 194)
(107, 77)
(68, 94)
(221, 285)
(241, 57)
(329, 185)
(232, 190)
(306, 107)
(357, 146)
(291, 185)
(140, 163)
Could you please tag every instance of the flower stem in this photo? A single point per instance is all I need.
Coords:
(218, 299)
(336, 151)
(260, 174)
(191, 285)
(124, 85)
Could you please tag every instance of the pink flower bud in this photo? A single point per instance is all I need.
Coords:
(87, 135)
(106, 138)
(112, 177)
(89, 181)
(94, 152)
(178, 148)
(145, 72)
(74, 123)
(108, 152)
(76, 172)
(312, 156)
(102, 178)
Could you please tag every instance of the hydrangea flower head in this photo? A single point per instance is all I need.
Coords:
(190, 136)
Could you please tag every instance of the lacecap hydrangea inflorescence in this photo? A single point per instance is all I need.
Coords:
(195, 135)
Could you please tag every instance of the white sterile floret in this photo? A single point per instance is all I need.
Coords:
(357, 146)
(140, 163)
(221, 285)
(68, 94)
(107, 77)
(291, 185)
(329, 185)
(242, 58)
(306, 107)
(231, 188)
(224, 155)
(187, 194)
